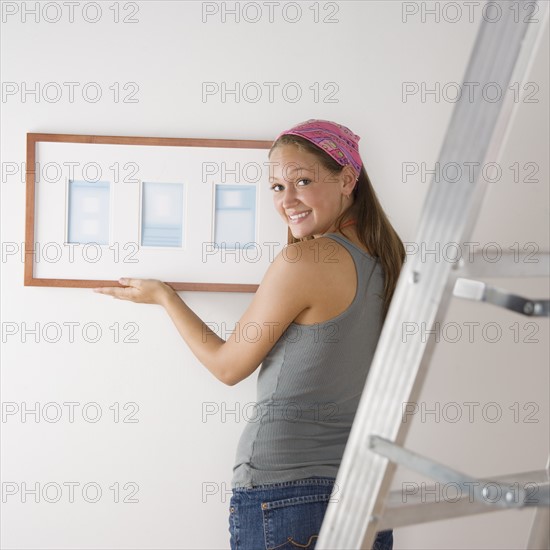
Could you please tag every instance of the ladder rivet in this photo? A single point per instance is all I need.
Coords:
(528, 308)
(509, 496)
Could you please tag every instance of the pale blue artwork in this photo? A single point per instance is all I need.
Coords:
(162, 214)
(88, 216)
(235, 215)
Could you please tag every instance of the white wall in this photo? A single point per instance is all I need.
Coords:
(172, 453)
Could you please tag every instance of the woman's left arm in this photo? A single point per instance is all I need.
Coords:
(285, 291)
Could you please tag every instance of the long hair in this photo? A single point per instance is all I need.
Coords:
(374, 229)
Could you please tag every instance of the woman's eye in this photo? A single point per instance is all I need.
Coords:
(298, 181)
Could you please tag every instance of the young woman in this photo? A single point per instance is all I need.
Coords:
(322, 302)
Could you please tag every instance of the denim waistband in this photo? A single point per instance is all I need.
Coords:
(315, 480)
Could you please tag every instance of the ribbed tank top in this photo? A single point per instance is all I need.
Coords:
(309, 386)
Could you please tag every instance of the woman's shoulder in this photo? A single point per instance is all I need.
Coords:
(327, 268)
(324, 262)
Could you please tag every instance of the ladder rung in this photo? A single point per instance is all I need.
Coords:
(491, 493)
(410, 509)
(483, 292)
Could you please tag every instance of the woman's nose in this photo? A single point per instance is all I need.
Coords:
(289, 197)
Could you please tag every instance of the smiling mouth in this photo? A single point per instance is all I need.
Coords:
(300, 216)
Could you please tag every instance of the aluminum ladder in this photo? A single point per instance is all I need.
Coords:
(503, 53)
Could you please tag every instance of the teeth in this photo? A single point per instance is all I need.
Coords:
(299, 215)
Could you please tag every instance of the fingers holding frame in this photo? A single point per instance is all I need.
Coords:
(142, 291)
(119, 292)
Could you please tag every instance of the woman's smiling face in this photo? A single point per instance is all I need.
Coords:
(308, 197)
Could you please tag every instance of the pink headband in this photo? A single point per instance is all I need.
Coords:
(337, 140)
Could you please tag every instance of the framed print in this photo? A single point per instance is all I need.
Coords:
(161, 219)
(197, 214)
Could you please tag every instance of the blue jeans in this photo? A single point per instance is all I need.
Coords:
(284, 515)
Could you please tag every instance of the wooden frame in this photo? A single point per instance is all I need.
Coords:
(34, 140)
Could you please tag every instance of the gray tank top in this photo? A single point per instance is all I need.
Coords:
(309, 386)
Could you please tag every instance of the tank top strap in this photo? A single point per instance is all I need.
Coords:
(364, 262)
(355, 251)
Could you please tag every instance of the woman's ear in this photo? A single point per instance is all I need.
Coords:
(349, 180)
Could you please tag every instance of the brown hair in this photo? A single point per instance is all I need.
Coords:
(374, 229)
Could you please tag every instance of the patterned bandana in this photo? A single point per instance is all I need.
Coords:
(337, 140)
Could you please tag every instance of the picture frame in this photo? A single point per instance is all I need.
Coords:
(195, 213)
